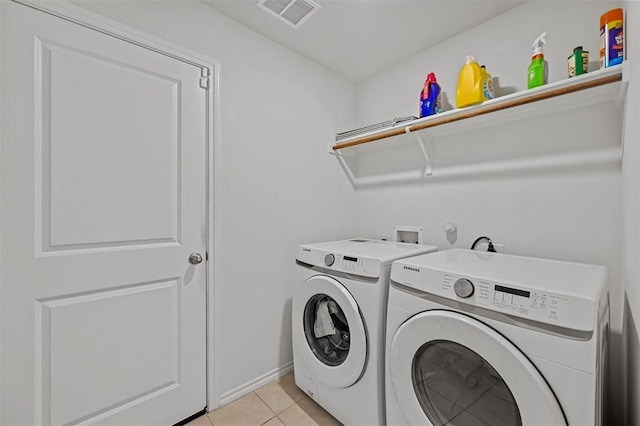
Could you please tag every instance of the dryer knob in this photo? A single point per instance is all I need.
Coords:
(463, 288)
(329, 259)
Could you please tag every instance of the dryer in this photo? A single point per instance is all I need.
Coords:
(338, 320)
(488, 338)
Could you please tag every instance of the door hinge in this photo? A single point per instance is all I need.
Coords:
(206, 256)
(204, 78)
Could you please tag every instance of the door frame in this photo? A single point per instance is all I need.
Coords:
(94, 21)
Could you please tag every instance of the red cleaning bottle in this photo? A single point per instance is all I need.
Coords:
(430, 98)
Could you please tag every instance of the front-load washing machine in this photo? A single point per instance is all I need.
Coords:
(338, 322)
(477, 338)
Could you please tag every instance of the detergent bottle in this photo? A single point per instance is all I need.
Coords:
(430, 97)
(538, 68)
(470, 84)
(487, 84)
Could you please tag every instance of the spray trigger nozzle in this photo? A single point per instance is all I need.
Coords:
(539, 42)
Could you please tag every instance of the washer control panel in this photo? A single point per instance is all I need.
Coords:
(350, 264)
(355, 265)
(537, 305)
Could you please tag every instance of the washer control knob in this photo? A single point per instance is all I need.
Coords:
(329, 259)
(463, 288)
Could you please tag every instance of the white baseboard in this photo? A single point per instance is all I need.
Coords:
(254, 384)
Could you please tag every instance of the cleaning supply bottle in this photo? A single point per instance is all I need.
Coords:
(578, 62)
(611, 38)
(538, 69)
(470, 84)
(430, 97)
(487, 84)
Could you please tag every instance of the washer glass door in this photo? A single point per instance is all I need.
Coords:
(448, 368)
(329, 334)
(327, 330)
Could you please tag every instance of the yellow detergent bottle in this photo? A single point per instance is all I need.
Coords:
(470, 89)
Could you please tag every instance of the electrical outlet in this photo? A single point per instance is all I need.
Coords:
(483, 246)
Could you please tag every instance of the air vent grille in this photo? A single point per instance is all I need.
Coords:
(293, 12)
(276, 6)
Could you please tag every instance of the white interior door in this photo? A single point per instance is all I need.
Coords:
(103, 200)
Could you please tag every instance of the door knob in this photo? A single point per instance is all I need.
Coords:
(195, 258)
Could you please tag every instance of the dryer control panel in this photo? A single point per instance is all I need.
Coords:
(558, 293)
(542, 306)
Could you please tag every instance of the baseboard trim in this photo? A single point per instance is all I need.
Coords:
(256, 383)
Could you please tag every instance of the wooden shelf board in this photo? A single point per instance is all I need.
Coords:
(564, 87)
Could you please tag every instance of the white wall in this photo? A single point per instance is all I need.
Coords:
(277, 188)
(571, 214)
(631, 204)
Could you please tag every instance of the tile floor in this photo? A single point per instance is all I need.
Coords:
(278, 403)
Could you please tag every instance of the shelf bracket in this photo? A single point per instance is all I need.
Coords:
(345, 167)
(425, 147)
(622, 94)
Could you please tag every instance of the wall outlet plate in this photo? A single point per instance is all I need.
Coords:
(483, 246)
(407, 234)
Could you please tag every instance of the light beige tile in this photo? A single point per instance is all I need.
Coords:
(281, 394)
(200, 421)
(307, 413)
(274, 422)
(246, 411)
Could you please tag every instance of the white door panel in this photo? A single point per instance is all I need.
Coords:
(77, 213)
(103, 199)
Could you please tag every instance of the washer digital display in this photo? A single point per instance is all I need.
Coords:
(513, 291)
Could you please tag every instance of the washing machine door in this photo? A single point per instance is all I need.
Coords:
(329, 332)
(449, 368)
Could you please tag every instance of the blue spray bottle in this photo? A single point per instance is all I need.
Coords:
(430, 98)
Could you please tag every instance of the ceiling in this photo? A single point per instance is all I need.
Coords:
(356, 38)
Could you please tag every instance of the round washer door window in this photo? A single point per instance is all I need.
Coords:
(328, 331)
(450, 369)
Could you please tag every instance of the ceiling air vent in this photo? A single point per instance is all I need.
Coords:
(293, 12)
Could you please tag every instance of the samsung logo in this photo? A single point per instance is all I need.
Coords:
(409, 268)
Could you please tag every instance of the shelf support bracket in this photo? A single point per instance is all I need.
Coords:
(622, 94)
(425, 147)
(346, 168)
